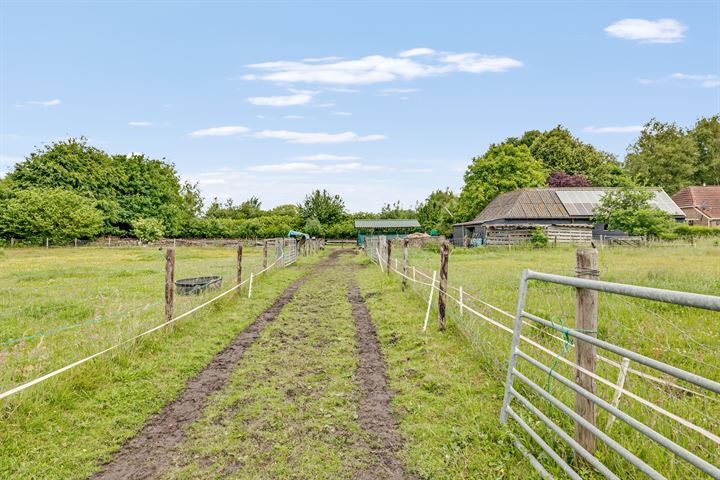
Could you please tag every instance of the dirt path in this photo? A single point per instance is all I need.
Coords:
(374, 413)
(147, 453)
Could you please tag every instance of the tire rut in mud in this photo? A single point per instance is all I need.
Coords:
(147, 453)
(374, 410)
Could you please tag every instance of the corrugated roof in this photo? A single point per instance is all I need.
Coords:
(705, 199)
(387, 223)
(558, 203)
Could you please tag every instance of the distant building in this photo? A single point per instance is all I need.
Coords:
(391, 228)
(565, 214)
(701, 205)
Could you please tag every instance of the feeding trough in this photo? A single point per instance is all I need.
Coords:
(197, 285)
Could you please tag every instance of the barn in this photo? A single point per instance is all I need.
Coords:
(701, 205)
(565, 214)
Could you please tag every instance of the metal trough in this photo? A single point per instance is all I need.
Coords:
(197, 285)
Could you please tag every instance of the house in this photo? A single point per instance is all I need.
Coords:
(565, 214)
(391, 228)
(701, 205)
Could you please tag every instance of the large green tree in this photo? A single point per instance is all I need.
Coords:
(35, 214)
(664, 155)
(503, 168)
(706, 135)
(324, 206)
(438, 211)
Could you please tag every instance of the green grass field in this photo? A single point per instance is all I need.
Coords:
(683, 337)
(59, 305)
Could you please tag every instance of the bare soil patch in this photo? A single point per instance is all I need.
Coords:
(146, 454)
(374, 410)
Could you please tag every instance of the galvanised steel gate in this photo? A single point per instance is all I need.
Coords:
(513, 396)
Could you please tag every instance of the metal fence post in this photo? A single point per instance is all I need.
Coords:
(406, 243)
(586, 321)
(169, 283)
(442, 292)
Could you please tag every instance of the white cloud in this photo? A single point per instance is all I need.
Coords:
(417, 52)
(300, 167)
(141, 123)
(299, 97)
(342, 90)
(341, 114)
(705, 81)
(320, 137)
(620, 129)
(294, 117)
(322, 157)
(378, 68)
(665, 30)
(325, 105)
(220, 131)
(399, 90)
(288, 136)
(321, 59)
(41, 103)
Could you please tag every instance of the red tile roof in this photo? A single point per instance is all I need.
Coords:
(703, 199)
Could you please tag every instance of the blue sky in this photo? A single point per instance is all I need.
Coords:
(377, 102)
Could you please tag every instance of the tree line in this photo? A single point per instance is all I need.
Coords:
(70, 189)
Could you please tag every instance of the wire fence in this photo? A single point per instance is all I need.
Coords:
(682, 412)
(77, 301)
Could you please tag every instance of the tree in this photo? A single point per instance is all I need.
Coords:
(628, 210)
(327, 208)
(395, 210)
(35, 214)
(148, 229)
(438, 211)
(503, 168)
(706, 134)
(559, 150)
(313, 227)
(562, 179)
(664, 155)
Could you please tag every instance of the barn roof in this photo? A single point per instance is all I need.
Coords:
(558, 204)
(387, 223)
(704, 199)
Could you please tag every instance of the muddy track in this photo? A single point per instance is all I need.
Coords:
(374, 411)
(147, 454)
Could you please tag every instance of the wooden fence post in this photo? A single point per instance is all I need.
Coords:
(406, 243)
(586, 321)
(76, 243)
(442, 291)
(169, 283)
(239, 262)
(389, 253)
(250, 287)
(47, 242)
(265, 254)
(108, 241)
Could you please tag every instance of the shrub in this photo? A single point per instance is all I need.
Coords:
(696, 231)
(539, 238)
(35, 214)
(148, 229)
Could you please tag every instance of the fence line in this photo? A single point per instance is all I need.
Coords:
(54, 373)
(617, 387)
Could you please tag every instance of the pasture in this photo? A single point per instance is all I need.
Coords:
(293, 405)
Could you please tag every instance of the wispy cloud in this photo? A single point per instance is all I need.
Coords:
(618, 129)
(398, 90)
(287, 135)
(299, 97)
(293, 117)
(322, 157)
(341, 114)
(141, 123)
(301, 167)
(317, 137)
(40, 103)
(378, 68)
(665, 30)
(705, 81)
(220, 131)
